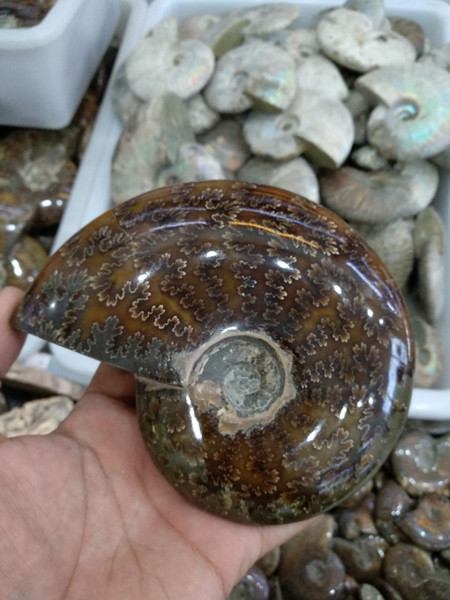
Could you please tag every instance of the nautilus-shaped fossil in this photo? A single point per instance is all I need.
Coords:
(272, 353)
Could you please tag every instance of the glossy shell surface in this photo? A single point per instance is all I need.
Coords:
(272, 352)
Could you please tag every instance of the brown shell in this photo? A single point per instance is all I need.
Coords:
(272, 352)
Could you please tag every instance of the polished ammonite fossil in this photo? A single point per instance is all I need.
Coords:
(272, 353)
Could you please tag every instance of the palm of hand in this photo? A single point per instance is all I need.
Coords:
(84, 512)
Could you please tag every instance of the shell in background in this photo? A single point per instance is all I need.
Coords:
(316, 73)
(226, 33)
(25, 261)
(349, 38)
(411, 30)
(429, 243)
(313, 124)
(380, 196)
(136, 160)
(428, 525)
(428, 583)
(254, 74)
(194, 27)
(431, 279)
(16, 216)
(429, 225)
(176, 125)
(273, 136)
(295, 175)
(429, 350)
(299, 43)
(231, 30)
(394, 245)
(151, 142)
(420, 463)
(194, 163)
(253, 585)
(126, 104)
(413, 120)
(268, 18)
(162, 37)
(360, 111)
(369, 158)
(308, 567)
(439, 57)
(227, 143)
(160, 63)
(201, 116)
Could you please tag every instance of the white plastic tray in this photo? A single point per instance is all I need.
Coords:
(45, 69)
(91, 192)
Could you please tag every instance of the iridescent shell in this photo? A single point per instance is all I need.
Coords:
(201, 116)
(313, 124)
(273, 354)
(160, 63)
(296, 175)
(194, 163)
(350, 39)
(264, 19)
(261, 20)
(299, 43)
(318, 74)
(227, 143)
(194, 27)
(254, 74)
(380, 196)
(149, 144)
(413, 117)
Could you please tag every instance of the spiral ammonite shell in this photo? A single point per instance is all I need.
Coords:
(273, 354)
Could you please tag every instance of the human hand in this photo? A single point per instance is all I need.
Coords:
(85, 513)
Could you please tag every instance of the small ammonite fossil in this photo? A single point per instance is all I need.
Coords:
(273, 354)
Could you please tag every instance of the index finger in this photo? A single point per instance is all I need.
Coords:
(11, 340)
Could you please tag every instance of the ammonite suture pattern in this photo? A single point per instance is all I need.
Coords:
(272, 352)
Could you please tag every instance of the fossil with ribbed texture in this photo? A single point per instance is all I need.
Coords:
(272, 352)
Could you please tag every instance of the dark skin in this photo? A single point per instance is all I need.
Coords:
(84, 513)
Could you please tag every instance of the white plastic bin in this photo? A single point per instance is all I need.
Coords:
(46, 69)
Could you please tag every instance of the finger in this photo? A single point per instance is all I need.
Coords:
(113, 382)
(11, 340)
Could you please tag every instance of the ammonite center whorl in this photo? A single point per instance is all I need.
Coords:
(245, 377)
(272, 351)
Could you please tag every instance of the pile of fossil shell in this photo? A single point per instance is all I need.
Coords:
(389, 541)
(353, 112)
